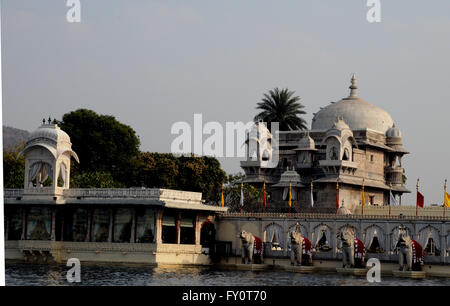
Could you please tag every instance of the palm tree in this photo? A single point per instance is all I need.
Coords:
(283, 107)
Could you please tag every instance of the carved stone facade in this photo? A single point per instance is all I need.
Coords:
(351, 142)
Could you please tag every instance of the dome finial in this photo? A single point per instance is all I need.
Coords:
(353, 87)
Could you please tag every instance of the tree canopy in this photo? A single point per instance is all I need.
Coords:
(283, 107)
(189, 173)
(13, 168)
(110, 158)
(102, 143)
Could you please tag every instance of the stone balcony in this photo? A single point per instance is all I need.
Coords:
(108, 193)
(394, 175)
(338, 166)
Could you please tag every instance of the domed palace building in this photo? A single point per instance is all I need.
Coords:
(352, 143)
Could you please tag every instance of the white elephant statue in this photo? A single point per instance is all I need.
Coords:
(296, 245)
(410, 252)
(251, 246)
(347, 237)
(404, 250)
(248, 243)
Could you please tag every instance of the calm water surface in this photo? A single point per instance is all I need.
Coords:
(127, 275)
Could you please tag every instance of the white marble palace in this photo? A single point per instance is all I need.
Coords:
(351, 143)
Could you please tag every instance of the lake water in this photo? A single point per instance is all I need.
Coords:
(138, 275)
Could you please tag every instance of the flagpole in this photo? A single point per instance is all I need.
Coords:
(221, 198)
(290, 200)
(417, 195)
(337, 195)
(264, 195)
(445, 194)
(242, 200)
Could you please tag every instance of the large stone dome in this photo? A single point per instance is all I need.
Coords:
(356, 112)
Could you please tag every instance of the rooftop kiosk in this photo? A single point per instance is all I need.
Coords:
(48, 221)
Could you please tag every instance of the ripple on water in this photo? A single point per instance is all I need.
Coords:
(23, 274)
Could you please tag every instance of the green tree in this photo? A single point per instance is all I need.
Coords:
(283, 107)
(96, 179)
(232, 195)
(159, 170)
(13, 168)
(190, 173)
(103, 144)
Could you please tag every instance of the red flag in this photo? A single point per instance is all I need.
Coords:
(337, 199)
(420, 199)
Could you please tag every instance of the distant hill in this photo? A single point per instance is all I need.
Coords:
(13, 137)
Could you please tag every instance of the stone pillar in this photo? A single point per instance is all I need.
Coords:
(89, 218)
(53, 234)
(178, 226)
(197, 229)
(443, 246)
(133, 226)
(158, 227)
(6, 214)
(24, 224)
(238, 246)
(62, 215)
(111, 225)
(333, 234)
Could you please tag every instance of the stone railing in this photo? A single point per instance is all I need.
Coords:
(334, 216)
(43, 191)
(12, 193)
(169, 194)
(134, 193)
(112, 193)
(409, 211)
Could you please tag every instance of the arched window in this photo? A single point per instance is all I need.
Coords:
(333, 153)
(40, 175)
(374, 240)
(274, 235)
(322, 238)
(429, 239)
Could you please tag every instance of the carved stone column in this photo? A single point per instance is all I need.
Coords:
(62, 224)
(133, 226)
(158, 227)
(53, 234)
(443, 246)
(333, 234)
(197, 229)
(6, 212)
(24, 225)
(178, 227)
(111, 225)
(89, 218)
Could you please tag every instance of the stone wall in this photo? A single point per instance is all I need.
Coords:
(229, 225)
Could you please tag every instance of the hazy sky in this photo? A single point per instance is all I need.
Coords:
(152, 63)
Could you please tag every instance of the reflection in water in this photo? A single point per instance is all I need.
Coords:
(143, 275)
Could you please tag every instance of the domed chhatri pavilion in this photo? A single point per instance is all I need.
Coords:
(48, 154)
(351, 144)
